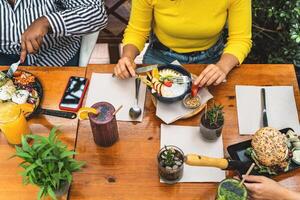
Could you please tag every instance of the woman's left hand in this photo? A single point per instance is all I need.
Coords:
(213, 74)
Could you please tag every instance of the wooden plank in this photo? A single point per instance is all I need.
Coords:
(54, 81)
(128, 169)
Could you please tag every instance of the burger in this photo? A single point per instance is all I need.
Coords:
(270, 151)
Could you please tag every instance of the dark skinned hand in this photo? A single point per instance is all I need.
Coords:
(32, 38)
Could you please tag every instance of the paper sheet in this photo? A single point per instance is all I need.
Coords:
(103, 87)
(169, 113)
(190, 141)
(280, 104)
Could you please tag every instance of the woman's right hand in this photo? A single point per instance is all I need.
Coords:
(125, 68)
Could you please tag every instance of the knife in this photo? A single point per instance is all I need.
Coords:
(264, 108)
(142, 69)
(221, 163)
(145, 69)
(56, 113)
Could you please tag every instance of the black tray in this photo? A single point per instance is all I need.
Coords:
(237, 152)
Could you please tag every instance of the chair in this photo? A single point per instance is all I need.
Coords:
(88, 43)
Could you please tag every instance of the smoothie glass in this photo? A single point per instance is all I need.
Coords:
(104, 124)
(13, 123)
(229, 189)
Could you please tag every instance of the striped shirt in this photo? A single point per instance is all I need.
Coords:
(69, 20)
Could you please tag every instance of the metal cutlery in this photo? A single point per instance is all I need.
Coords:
(12, 69)
(263, 108)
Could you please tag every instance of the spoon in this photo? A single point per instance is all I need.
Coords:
(136, 111)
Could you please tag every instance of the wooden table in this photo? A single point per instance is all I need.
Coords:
(128, 169)
(53, 81)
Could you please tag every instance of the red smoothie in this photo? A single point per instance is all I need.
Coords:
(104, 125)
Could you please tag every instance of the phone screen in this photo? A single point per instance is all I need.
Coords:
(74, 92)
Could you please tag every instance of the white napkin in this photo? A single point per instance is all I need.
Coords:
(189, 140)
(103, 87)
(170, 113)
(280, 104)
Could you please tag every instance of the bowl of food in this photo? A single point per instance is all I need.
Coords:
(169, 83)
(22, 88)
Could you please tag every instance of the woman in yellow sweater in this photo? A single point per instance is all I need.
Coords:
(189, 31)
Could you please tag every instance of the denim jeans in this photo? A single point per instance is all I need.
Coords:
(158, 56)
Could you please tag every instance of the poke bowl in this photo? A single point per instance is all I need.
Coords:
(23, 88)
(164, 87)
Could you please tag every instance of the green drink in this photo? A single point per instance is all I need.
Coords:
(229, 189)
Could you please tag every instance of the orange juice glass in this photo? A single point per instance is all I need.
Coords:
(13, 123)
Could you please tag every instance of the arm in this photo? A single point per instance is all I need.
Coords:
(77, 18)
(135, 37)
(238, 45)
(262, 188)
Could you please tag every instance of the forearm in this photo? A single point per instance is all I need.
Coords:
(78, 19)
(290, 195)
(227, 62)
(130, 51)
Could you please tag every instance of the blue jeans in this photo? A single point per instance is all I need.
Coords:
(158, 56)
(7, 60)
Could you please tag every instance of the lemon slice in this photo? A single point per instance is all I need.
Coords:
(155, 73)
(27, 107)
(83, 113)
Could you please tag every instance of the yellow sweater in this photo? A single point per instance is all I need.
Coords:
(191, 25)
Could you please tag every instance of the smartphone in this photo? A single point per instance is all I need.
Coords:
(74, 94)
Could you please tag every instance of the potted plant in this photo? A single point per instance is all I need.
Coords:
(48, 164)
(211, 123)
(170, 163)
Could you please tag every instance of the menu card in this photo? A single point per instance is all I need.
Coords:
(189, 140)
(280, 105)
(170, 113)
(104, 87)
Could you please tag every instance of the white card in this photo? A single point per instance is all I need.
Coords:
(280, 103)
(103, 87)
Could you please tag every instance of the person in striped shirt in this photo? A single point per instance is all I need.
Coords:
(47, 32)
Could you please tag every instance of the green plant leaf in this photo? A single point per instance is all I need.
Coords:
(23, 155)
(51, 193)
(41, 193)
(67, 154)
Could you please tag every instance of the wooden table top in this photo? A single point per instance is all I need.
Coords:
(128, 169)
(53, 81)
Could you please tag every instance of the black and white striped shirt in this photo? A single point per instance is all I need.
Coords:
(69, 20)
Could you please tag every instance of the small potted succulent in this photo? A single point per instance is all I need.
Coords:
(170, 163)
(48, 164)
(211, 123)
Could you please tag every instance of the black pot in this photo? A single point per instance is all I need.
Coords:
(180, 70)
(64, 188)
(170, 174)
(210, 133)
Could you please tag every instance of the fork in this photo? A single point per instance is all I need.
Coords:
(12, 69)
(185, 79)
(181, 79)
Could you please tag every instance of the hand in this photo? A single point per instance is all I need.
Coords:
(125, 68)
(262, 188)
(32, 38)
(212, 74)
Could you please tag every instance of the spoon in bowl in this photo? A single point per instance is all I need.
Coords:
(136, 111)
